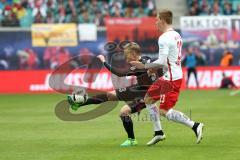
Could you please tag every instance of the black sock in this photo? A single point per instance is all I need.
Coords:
(128, 125)
(96, 99)
(194, 128)
(159, 133)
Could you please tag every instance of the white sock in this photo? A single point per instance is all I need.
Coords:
(154, 116)
(179, 117)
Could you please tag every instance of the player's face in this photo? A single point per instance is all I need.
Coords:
(131, 57)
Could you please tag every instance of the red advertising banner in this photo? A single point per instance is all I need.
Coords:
(133, 29)
(38, 81)
(211, 77)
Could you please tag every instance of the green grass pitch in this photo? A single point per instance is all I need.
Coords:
(29, 130)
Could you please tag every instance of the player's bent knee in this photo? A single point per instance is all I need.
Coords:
(125, 110)
(163, 112)
(112, 96)
(148, 100)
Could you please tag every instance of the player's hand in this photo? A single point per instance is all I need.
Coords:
(151, 71)
(137, 64)
(102, 58)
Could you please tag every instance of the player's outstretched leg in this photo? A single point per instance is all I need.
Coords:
(128, 125)
(179, 117)
(155, 118)
(97, 99)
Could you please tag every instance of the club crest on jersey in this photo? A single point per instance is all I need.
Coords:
(161, 46)
(132, 68)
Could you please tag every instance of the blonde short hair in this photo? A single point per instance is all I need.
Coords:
(131, 48)
(166, 15)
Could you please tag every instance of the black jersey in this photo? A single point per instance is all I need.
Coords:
(144, 81)
(128, 70)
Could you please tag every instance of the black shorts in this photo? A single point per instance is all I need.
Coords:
(135, 94)
(131, 93)
(136, 106)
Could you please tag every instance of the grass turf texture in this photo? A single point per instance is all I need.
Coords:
(30, 130)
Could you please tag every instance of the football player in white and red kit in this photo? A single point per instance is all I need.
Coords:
(170, 45)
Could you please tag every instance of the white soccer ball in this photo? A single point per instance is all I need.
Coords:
(79, 96)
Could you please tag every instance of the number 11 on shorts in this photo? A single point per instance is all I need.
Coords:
(162, 98)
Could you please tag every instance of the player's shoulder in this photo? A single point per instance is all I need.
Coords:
(169, 35)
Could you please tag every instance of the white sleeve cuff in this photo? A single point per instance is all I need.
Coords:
(160, 62)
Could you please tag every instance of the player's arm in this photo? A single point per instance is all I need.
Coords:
(128, 71)
(160, 62)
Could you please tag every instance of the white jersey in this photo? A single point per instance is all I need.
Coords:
(170, 44)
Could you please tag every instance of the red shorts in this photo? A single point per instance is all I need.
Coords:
(165, 91)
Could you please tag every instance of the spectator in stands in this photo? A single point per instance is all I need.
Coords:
(192, 11)
(86, 18)
(50, 57)
(10, 20)
(117, 12)
(39, 7)
(216, 9)
(139, 12)
(150, 5)
(94, 8)
(194, 8)
(32, 61)
(190, 62)
(39, 18)
(21, 12)
(73, 18)
(238, 10)
(115, 7)
(3, 64)
(50, 18)
(84, 56)
(128, 4)
(205, 10)
(72, 7)
(129, 12)
(227, 10)
(98, 20)
(28, 59)
(62, 14)
(51, 5)
(227, 59)
(212, 40)
(153, 13)
(227, 82)
(63, 55)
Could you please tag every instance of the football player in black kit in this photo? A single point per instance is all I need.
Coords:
(134, 94)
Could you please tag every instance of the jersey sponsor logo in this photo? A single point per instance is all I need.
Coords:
(122, 89)
(132, 68)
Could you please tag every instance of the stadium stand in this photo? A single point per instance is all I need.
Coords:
(25, 12)
(213, 7)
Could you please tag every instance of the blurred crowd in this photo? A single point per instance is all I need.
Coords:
(25, 12)
(213, 7)
(28, 59)
(223, 58)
